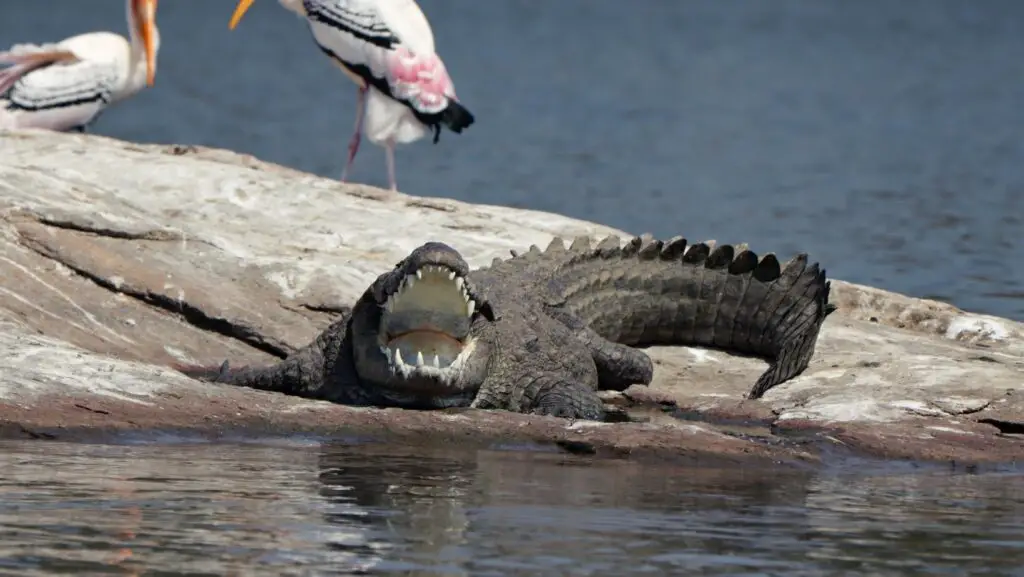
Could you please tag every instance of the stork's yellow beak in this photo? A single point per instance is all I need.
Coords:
(145, 15)
(243, 5)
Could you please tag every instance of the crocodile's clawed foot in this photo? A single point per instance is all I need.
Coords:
(562, 410)
(570, 402)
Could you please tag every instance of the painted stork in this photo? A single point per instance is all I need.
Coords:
(68, 84)
(387, 48)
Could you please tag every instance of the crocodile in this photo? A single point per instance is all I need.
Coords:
(544, 330)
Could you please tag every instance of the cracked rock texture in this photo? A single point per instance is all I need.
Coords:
(119, 259)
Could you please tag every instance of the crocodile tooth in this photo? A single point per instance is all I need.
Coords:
(409, 281)
(419, 274)
(419, 358)
(398, 358)
(460, 283)
(451, 275)
(469, 308)
(437, 362)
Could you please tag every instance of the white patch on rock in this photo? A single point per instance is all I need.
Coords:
(701, 355)
(973, 326)
(285, 281)
(950, 430)
(584, 424)
(917, 408)
(42, 366)
(697, 429)
(62, 270)
(842, 412)
(311, 406)
(955, 405)
(180, 355)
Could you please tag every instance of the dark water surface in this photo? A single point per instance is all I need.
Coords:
(882, 137)
(297, 508)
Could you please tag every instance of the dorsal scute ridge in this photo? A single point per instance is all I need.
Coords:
(632, 247)
(768, 268)
(649, 248)
(697, 253)
(737, 258)
(673, 248)
(580, 244)
(743, 263)
(720, 257)
(608, 247)
(556, 246)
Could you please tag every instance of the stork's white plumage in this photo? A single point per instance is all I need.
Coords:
(387, 48)
(67, 85)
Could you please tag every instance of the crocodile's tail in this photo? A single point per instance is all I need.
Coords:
(652, 292)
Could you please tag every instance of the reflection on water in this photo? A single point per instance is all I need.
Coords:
(284, 507)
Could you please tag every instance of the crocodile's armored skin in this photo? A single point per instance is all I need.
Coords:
(544, 330)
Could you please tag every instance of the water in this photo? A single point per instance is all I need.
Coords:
(882, 137)
(295, 508)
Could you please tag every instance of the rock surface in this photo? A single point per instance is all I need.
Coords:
(119, 259)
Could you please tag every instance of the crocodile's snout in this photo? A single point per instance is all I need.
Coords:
(425, 321)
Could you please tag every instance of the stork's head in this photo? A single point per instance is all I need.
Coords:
(295, 6)
(142, 19)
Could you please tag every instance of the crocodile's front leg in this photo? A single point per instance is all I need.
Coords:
(540, 392)
(618, 365)
(324, 369)
(547, 373)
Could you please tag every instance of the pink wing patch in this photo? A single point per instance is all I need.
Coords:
(422, 80)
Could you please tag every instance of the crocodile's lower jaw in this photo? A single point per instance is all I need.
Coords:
(427, 365)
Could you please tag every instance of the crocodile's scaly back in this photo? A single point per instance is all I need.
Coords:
(652, 292)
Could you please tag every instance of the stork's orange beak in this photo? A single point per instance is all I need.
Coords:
(243, 5)
(145, 15)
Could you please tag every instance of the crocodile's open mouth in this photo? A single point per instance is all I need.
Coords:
(425, 323)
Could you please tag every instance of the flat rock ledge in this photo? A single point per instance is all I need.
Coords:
(119, 259)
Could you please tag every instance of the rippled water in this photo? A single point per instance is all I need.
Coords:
(291, 508)
(883, 137)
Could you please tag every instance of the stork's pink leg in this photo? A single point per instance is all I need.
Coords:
(353, 144)
(389, 150)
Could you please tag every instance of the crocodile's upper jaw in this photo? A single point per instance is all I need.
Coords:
(425, 325)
